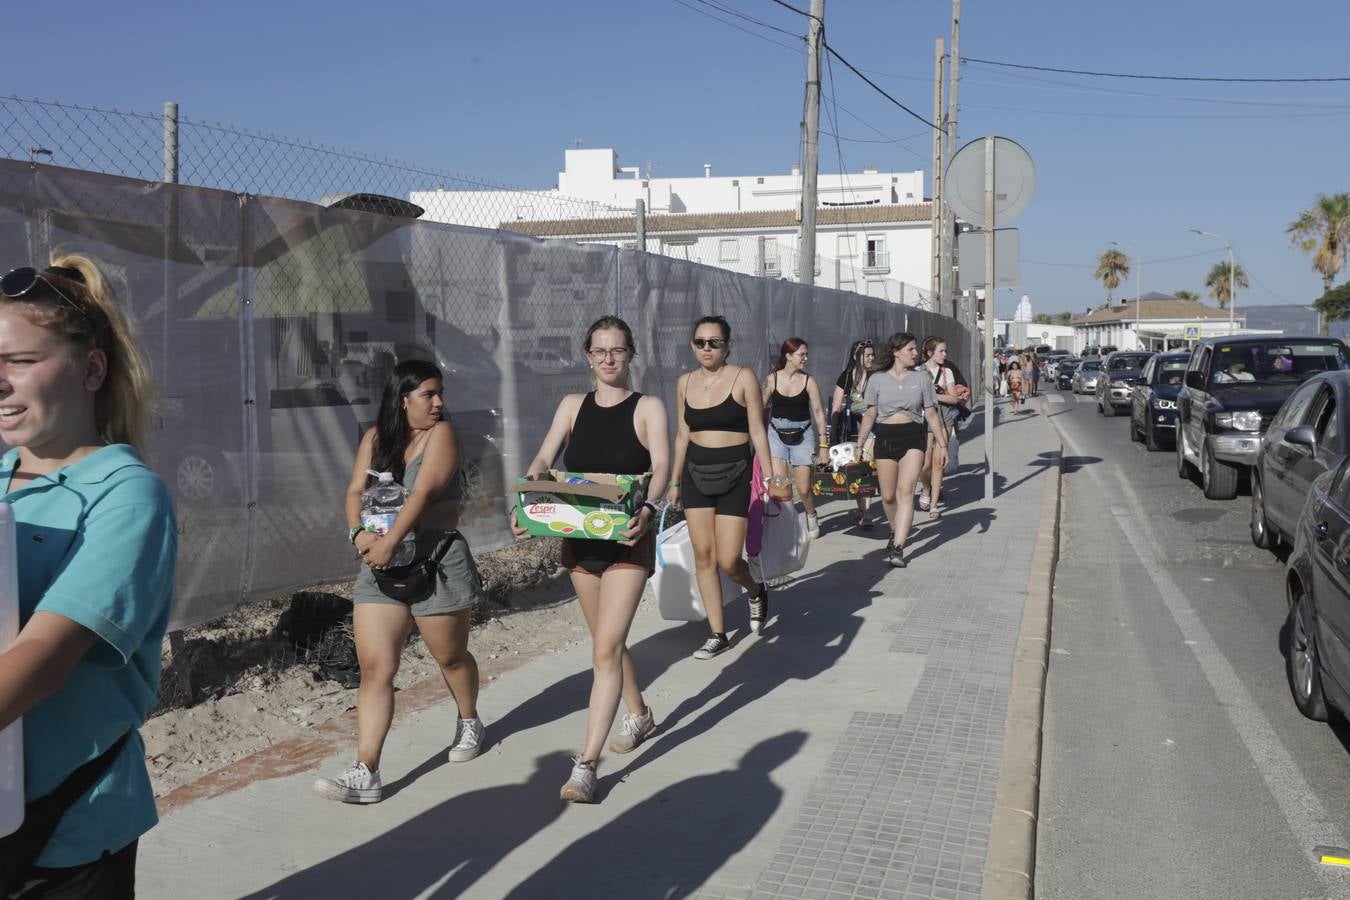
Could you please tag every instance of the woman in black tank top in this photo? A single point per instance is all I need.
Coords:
(614, 430)
(719, 436)
(797, 424)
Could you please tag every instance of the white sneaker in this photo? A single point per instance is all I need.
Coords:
(580, 788)
(812, 527)
(468, 740)
(356, 785)
(634, 731)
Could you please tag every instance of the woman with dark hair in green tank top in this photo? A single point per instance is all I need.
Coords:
(412, 440)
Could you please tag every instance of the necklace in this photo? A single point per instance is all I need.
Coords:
(709, 381)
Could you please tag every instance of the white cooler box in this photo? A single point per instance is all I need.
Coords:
(11, 739)
(675, 584)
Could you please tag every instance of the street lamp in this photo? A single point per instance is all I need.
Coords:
(1232, 273)
(1138, 276)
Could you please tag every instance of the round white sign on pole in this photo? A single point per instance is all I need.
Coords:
(1014, 181)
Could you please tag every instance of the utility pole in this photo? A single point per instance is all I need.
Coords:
(806, 245)
(939, 215)
(949, 223)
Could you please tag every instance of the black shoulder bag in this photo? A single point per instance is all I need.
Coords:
(20, 850)
(414, 582)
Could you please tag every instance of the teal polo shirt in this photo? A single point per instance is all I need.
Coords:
(97, 542)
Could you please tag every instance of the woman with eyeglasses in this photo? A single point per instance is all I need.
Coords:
(847, 407)
(719, 432)
(901, 410)
(947, 384)
(96, 565)
(617, 431)
(412, 441)
(796, 418)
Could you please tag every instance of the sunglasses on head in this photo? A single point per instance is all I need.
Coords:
(19, 282)
(710, 343)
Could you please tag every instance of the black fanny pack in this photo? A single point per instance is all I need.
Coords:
(791, 437)
(414, 582)
(716, 479)
(19, 851)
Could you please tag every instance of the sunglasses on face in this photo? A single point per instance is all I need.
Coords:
(19, 282)
(710, 343)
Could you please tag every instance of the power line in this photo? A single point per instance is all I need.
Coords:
(800, 12)
(854, 69)
(754, 34)
(1187, 116)
(740, 15)
(854, 140)
(1244, 79)
(858, 118)
(1058, 265)
(1261, 285)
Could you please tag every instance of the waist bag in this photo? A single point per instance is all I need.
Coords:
(791, 437)
(414, 582)
(716, 479)
(20, 850)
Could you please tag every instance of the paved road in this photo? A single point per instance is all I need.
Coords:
(1175, 764)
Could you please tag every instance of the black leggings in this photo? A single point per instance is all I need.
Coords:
(735, 502)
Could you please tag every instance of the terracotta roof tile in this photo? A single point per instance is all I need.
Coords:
(1163, 307)
(725, 221)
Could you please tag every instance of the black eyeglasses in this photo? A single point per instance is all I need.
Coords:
(710, 343)
(19, 282)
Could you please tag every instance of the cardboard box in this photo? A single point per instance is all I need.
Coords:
(857, 480)
(549, 506)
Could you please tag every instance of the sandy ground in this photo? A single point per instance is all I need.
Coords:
(241, 685)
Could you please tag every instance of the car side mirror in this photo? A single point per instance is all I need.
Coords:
(1195, 380)
(1301, 436)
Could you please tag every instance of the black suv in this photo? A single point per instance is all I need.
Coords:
(1232, 389)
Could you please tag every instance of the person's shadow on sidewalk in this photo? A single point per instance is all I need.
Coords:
(448, 847)
(808, 632)
(934, 533)
(669, 845)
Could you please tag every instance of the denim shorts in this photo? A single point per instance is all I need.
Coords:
(798, 454)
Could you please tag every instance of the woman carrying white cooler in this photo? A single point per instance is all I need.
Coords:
(617, 431)
(95, 580)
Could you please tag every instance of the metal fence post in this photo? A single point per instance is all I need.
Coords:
(640, 226)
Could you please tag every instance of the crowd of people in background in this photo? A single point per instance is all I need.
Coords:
(94, 602)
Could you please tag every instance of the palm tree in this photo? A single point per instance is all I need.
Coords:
(1219, 287)
(1324, 231)
(1186, 295)
(1112, 267)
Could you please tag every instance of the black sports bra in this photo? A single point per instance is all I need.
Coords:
(725, 416)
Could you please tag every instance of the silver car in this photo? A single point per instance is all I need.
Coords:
(1085, 378)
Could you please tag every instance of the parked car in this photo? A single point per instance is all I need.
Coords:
(1303, 441)
(1317, 585)
(1064, 372)
(1053, 361)
(1121, 370)
(1232, 390)
(1085, 376)
(1153, 404)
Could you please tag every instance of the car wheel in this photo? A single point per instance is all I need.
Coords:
(1151, 437)
(1134, 430)
(1303, 662)
(1219, 479)
(1261, 535)
(199, 477)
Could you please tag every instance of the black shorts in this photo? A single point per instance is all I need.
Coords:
(111, 877)
(735, 502)
(894, 441)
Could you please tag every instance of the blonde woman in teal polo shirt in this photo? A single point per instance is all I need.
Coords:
(97, 542)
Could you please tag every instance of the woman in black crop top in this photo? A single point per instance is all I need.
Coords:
(720, 430)
(797, 423)
(615, 430)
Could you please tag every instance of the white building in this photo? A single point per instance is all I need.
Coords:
(873, 229)
(1164, 323)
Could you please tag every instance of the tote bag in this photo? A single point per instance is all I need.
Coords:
(786, 543)
(674, 583)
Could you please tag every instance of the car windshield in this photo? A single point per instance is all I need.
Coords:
(1090, 365)
(1126, 363)
(1170, 371)
(1276, 362)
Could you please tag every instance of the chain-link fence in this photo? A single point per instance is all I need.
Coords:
(272, 323)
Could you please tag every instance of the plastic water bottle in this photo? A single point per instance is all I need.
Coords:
(380, 506)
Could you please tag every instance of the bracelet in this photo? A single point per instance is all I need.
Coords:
(672, 484)
(648, 505)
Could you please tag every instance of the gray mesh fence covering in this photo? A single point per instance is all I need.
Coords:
(271, 325)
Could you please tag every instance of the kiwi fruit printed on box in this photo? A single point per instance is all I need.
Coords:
(562, 514)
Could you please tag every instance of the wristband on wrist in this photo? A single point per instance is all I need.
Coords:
(353, 532)
(648, 505)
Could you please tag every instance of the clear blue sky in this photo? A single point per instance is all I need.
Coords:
(499, 90)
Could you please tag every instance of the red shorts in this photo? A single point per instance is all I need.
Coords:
(594, 557)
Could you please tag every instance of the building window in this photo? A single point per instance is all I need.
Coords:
(877, 258)
(729, 250)
(772, 267)
(848, 246)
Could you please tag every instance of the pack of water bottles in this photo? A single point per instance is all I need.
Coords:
(380, 506)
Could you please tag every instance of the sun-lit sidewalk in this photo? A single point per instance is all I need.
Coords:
(852, 749)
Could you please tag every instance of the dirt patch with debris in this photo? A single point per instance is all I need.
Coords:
(275, 670)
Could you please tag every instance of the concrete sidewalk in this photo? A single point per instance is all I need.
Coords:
(852, 750)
